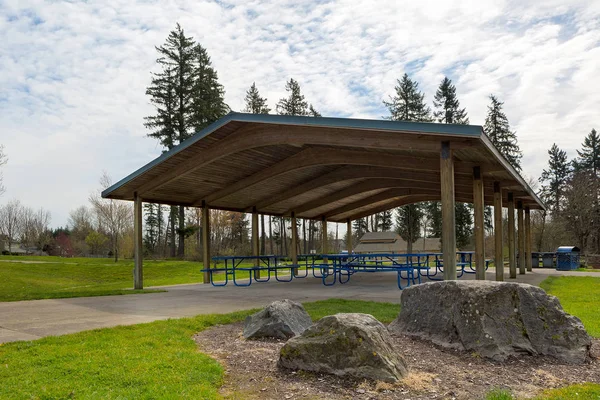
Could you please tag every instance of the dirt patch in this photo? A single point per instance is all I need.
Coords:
(251, 372)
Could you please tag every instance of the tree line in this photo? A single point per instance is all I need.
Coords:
(571, 190)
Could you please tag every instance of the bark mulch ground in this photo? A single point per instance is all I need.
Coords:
(251, 372)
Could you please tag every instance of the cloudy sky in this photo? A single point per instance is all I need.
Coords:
(73, 74)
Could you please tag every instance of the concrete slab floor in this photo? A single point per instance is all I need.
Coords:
(29, 320)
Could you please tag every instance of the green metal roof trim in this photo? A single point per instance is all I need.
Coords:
(326, 122)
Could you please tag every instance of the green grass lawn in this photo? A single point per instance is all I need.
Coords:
(45, 277)
(580, 296)
(586, 391)
(154, 360)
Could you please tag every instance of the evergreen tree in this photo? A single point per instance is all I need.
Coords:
(408, 103)
(464, 224)
(187, 97)
(384, 222)
(254, 103)
(151, 224)
(447, 110)
(588, 163)
(554, 180)
(498, 130)
(312, 112)
(360, 226)
(295, 104)
(208, 94)
(408, 224)
(447, 106)
(433, 210)
(257, 105)
(171, 90)
(589, 155)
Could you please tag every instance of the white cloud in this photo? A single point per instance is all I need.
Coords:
(73, 74)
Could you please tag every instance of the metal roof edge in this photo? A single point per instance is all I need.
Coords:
(488, 143)
(357, 123)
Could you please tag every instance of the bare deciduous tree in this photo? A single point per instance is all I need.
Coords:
(114, 216)
(3, 161)
(11, 221)
(35, 231)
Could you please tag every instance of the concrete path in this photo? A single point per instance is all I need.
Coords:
(29, 320)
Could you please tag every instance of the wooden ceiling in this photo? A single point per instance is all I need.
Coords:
(320, 167)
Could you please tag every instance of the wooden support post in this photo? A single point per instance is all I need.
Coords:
(528, 261)
(498, 232)
(294, 249)
(478, 204)
(349, 236)
(324, 235)
(255, 242)
(448, 217)
(206, 241)
(138, 271)
(512, 260)
(521, 237)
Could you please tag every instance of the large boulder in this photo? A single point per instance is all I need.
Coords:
(355, 345)
(280, 319)
(494, 319)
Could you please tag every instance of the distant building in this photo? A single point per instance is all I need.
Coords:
(19, 249)
(391, 242)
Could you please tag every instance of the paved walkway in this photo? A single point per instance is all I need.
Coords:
(28, 320)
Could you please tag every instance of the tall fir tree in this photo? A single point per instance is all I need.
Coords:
(464, 224)
(294, 104)
(408, 224)
(255, 104)
(187, 97)
(497, 128)
(384, 221)
(408, 103)
(588, 159)
(555, 178)
(433, 211)
(447, 110)
(208, 94)
(446, 105)
(588, 162)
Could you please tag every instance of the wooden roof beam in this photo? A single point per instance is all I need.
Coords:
(346, 173)
(314, 156)
(370, 185)
(253, 136)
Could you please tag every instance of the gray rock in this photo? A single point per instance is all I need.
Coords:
(355, 345)
(494, 319)
(280, 319)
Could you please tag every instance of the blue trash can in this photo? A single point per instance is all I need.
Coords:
(567, 258)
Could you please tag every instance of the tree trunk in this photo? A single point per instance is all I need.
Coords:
(285, 243)
(262, 234)
(116, 247)
(172, 215)
(181, 234)
(271, 235)
(304, 234)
